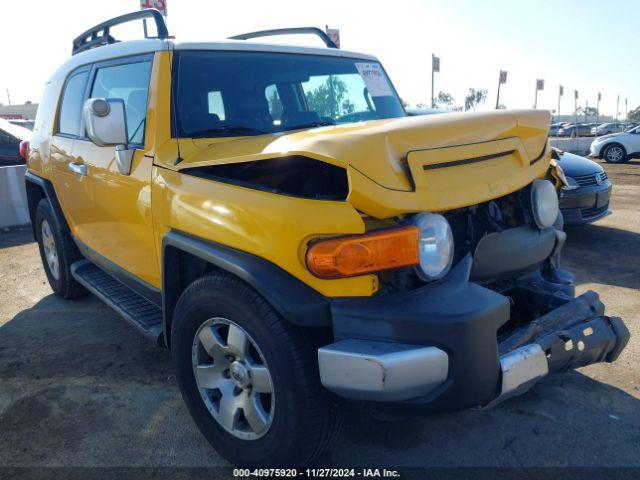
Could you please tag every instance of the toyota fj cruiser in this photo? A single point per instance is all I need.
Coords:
(271, 215)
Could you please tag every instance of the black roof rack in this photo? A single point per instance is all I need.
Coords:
(288, 31)
(99, 35)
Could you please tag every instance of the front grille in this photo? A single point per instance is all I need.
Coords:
(591, 179)
(593, 211)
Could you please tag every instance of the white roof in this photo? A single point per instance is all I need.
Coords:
(137, 47)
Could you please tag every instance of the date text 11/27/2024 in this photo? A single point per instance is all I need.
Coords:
(315, 473)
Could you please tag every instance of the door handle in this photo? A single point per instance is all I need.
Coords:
(78, 168)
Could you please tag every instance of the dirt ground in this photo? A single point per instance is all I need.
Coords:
(79, 387)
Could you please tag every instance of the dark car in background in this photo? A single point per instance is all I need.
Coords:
(586, 198)
(10, 138)
(609, 128)
(576, 130)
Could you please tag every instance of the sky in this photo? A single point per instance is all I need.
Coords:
(586, 45)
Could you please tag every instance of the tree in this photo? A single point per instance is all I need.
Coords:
(634, 115)
(474, 98)
(444, 100)
(328, 100)
(587, 111)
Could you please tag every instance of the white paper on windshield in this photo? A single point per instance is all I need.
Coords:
(374, 79)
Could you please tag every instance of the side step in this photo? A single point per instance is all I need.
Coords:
(137, 310)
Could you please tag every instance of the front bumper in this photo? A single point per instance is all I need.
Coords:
(595, 150)
(586, 204)
(446, 347)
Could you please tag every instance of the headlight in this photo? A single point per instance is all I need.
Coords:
(572, 184)
(435, 245)
(544, 203)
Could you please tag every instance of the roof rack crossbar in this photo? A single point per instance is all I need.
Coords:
(288, 31)
(99, 35)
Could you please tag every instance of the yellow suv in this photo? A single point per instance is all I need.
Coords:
(273, 216)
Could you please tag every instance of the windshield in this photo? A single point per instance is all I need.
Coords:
(224, 93)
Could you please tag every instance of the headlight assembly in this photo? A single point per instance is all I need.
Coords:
(544, 203)
(435, 245)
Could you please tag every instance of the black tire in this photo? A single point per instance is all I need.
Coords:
(63, 284)
(306, 416)
(609, 154)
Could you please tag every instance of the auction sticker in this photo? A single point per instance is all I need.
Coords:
(375, 80)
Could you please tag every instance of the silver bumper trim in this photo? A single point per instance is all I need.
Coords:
(381, 371)
(521, 368)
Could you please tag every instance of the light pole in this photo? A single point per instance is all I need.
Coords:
(435, 67)
(502, 78)
(598, 107)
(560, 94)
(617, 107)
(539, 86)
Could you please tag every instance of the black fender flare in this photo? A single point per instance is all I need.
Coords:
(33, 183)
(296, 302)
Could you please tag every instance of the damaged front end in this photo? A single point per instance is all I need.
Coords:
(503, 318)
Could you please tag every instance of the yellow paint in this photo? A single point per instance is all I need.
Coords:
(125, 217)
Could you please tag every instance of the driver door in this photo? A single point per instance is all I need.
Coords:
(121, 233)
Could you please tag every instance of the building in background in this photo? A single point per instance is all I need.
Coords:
(26, 111)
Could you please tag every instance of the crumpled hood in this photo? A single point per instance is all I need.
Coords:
(378, 149)
(401, 155)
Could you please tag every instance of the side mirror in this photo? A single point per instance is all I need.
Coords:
(106, 121)
(106, 124)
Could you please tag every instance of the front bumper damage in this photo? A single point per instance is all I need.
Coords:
(573, 335)
(446, 346)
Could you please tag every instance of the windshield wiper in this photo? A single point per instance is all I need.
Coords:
(230, 130)
(310, 125)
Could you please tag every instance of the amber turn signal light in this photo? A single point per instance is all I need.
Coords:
(362, 254)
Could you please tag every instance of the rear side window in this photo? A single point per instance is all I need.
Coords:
(71, 108)
(129, 82)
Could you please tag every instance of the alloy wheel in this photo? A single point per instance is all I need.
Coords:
(50, 251)
(615, 154)
(233, 378)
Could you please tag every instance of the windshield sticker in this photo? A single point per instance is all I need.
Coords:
(375, 79)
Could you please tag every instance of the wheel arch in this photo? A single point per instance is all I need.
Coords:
(186, 258)
(38, 188)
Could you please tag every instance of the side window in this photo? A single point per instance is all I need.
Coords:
(129, 82)
(71, 108)
(216, 105)
(275, 104)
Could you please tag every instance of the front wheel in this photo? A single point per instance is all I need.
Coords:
(249, 379)
(615, 154)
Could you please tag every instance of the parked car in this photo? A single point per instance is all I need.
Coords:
(554, 128)
(10, 138)
(575, 130)
(608, 128)
(617, 147)
(586, 197)
(290, 256)
(28, 124)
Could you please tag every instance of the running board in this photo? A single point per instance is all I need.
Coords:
(136, 310)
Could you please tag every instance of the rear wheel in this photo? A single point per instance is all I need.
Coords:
(249, 379)
(615, 154)
(58, 252)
